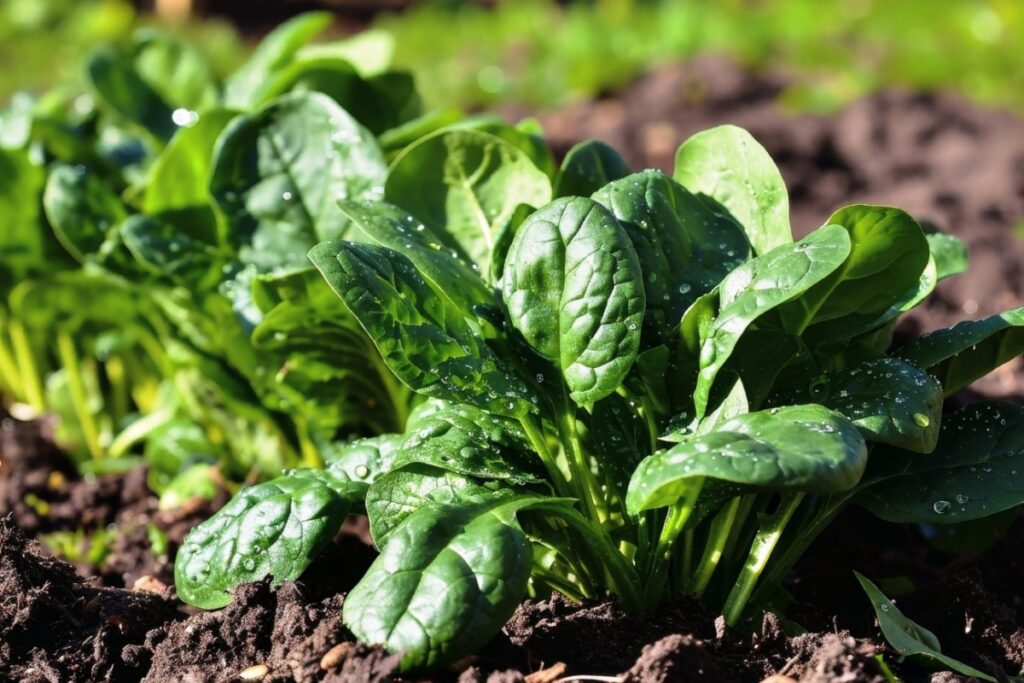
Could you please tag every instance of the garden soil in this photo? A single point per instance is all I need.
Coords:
(958, 165)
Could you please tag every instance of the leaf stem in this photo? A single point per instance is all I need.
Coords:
(677, 517)
(718, 537)
(760, 551)
(32, 383)
(540, 445)
(79, 398)
(9, 369)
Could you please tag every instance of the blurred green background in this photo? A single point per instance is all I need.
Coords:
(542, 53)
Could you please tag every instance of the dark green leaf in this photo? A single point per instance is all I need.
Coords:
(574, 290)
(684, 246)
(587, 167)
(761, 285)
(113, 78)
(274, 529)
(728, 165)
(447, 579)
(425, 340)
(82, 209)
(171, 254)
(968, 351)
(798, 448)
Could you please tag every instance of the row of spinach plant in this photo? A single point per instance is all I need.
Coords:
(570, 377)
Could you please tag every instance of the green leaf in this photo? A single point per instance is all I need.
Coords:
(82, 210)
(977, 470)
(468, 441)
(761, 285)
(890, 401)
(909, 638)
(574, 289)
(950, 254)
(684, 246)
(278, 174)
(389, 226)
(171, 254)
(797, 448)
(969, 350)
(112, 76)
(464, 185)
(198, 481)
(587, 167)
(424, 338)
(245, 87)
(176, 70)
(447, 579)
(23, 246)
(888, 254)
(399, 493)
(178, 182)
(728, 165)
(362, 462)
(274, 529)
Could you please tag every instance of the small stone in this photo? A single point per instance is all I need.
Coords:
(335, 657)
(256, 672)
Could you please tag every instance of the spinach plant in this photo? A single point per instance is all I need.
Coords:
(643, 388)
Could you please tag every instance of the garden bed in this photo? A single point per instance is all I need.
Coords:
(967, 174)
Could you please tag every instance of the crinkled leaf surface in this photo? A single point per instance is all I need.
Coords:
(279, 172)
(761, 285)
(727, 164)
(171, 254)
(797, 448)
(685, 247)
(276, 529)
(464, 185)
(969, 350)
(587, 167)
(977, 470)
(574, 290)
(424, 338)
(447, 579)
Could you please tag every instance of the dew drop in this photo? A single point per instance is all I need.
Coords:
(921, 420)
(941, 507)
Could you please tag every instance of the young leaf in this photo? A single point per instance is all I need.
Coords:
(278, 173)
(761, 285)
(909, 638)
(968, 351)
(950, 254)
(275, 529)
(587, 167)
(425, 339)
(684, 246)
(447, 579)
(464, 185)
(888, 254)
(574, 289)
(728, 165)
(977, 470)
(797, 448)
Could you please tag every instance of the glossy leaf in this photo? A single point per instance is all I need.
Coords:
(587, 167)
(274, 529)
(969, 350)
(574, 290)
(447, 579)
(424, 339)
(684, 246)
(171, 254)
(759, 286)
(728, 165)
(278, 174)
(82, 210)
(115, 81)
(797, 448)
(977, 470)
(464, 185)
(950, 254)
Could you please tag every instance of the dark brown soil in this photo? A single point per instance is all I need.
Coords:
(943, 159)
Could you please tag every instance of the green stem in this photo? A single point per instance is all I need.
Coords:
(652, 425)
(718, 536)
(9, 369)
(79, 398)
(310, 453)
(677, 517)
(540, 445)
(760, 550)
(32, 383)
(587, 488)
(117, 376)
(137, 431)
(398, 394)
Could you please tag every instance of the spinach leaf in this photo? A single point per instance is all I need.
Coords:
(574, 290)
(587, 167)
